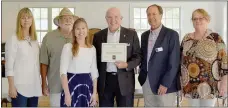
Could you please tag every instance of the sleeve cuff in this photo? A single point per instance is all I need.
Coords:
(62, 74)
(94, 76)
(42, 62)
(9, 74)
(167, 84)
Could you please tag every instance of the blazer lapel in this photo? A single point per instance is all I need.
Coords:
(146, 42)
(159, 40)
(104, 36)
(122, 35)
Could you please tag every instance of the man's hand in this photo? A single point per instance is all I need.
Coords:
(121, 65)
(162, 90)
(45, 90)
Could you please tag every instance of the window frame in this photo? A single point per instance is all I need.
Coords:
(40, 31)
(49, 20)
(132, 7)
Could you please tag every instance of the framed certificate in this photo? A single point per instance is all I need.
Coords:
(112, 52)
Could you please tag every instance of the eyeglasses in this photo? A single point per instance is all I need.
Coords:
(200, 19)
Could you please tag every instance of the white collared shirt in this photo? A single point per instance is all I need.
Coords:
(151, 42)
(22, 62)
(112, 38)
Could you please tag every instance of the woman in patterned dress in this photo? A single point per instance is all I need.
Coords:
(204, 63)
(78, 69)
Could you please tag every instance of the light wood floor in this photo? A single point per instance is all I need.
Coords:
(44, 102)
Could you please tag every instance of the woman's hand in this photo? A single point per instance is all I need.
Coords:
(68, 99)
(12, 91)
(94, 99)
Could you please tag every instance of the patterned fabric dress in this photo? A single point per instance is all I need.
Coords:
(204, 62)
(81, 88)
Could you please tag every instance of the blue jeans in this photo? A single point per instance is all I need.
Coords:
(22, 101)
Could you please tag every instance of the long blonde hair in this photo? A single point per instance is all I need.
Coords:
(19, 29)
(75, 44)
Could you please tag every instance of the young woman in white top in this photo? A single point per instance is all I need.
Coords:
(78, 69)
(22, 62)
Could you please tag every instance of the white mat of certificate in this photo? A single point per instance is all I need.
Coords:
(112, 52)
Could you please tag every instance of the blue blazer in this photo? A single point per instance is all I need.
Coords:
(164, 62)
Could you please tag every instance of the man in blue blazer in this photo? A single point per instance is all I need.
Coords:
(159, 76)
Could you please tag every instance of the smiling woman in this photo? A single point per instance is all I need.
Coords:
(22, 60)
(25, 20)
(78, 69)
(204, 63)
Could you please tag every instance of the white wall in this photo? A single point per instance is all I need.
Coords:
(94, 13)
(9, 16)
(221, 19)
(186, 13)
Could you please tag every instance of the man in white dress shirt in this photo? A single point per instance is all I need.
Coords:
(117, 80)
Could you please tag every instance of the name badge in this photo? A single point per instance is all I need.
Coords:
(159, 49)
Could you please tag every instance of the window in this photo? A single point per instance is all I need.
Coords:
(170, 19)
(41, 22)
(44, 20)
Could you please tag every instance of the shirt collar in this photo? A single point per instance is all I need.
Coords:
(61, 35)
(118, 30)
(156, 31)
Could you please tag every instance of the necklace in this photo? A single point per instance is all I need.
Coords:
(194, 36)
(28, 39)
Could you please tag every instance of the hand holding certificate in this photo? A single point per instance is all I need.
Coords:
(112, 52)
(121, 65)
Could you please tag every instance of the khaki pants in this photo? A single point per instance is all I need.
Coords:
(55, 100)
(151, 100)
